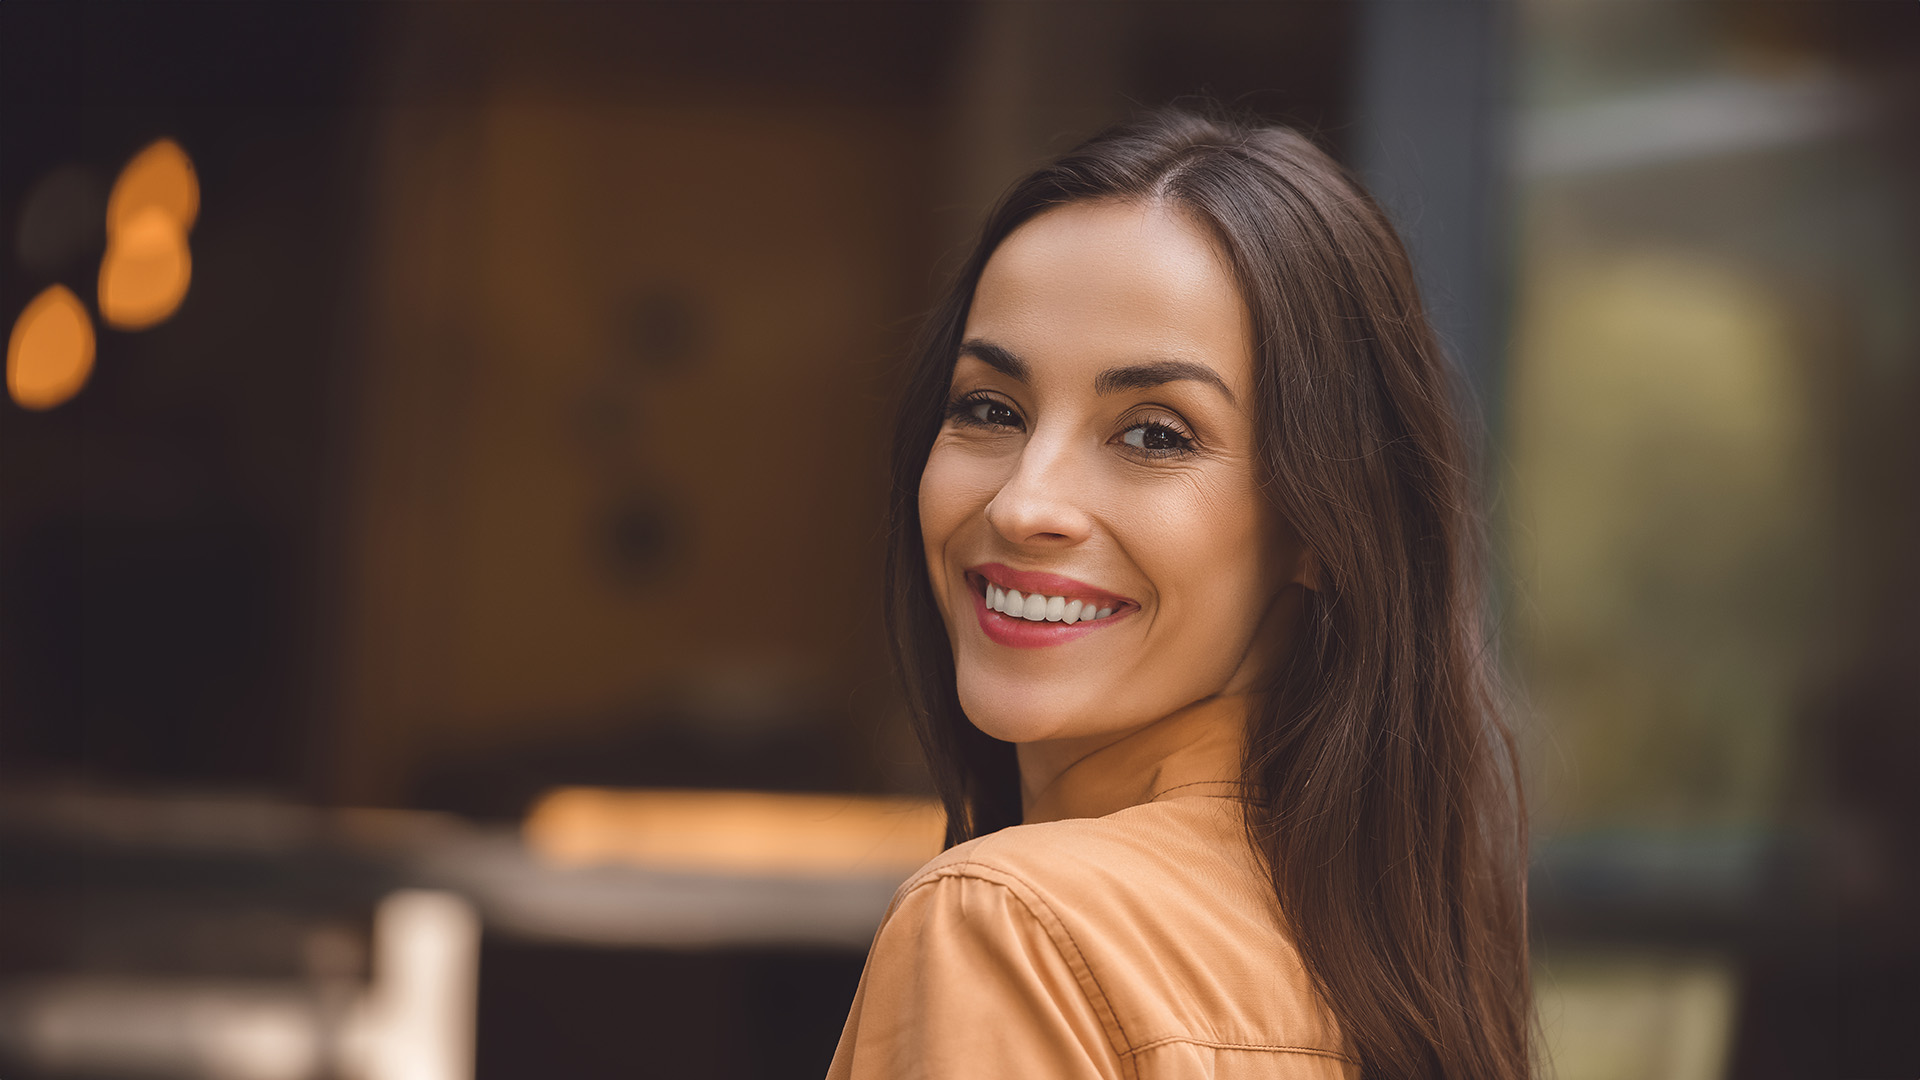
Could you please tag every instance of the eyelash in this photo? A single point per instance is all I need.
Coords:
(960, 411)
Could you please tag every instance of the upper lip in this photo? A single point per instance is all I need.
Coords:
(1033, 581)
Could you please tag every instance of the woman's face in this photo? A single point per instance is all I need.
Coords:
(1097, 462)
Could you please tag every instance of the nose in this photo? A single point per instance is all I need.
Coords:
(1043, 500)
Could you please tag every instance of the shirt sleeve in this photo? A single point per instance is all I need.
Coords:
(964, 983)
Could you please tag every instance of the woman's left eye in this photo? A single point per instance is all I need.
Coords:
(1156, 439)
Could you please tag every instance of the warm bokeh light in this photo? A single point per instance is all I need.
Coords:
(50, 353)
(161, 178)
(735, 831)
(146, 271)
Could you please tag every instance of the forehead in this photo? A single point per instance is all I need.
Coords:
(1088, 285)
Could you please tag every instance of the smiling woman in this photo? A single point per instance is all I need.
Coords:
(1102, 425)
(1182, 588)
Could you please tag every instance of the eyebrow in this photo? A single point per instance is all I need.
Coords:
(996, 358)
(1157, 373)
(1113, 380)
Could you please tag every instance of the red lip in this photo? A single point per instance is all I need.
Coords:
(1024, 633)
(1028, 581)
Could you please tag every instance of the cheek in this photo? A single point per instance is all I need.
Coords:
(939, 506)
(954, 489)
(1211, 562)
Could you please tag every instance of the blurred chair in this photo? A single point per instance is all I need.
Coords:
(414, 1020)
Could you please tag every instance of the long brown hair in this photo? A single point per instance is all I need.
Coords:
(1386, 803)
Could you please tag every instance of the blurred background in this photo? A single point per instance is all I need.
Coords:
(441, 488)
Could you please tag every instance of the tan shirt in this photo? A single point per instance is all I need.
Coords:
(1125, 930)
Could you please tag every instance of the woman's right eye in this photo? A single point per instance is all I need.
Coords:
(983, 412)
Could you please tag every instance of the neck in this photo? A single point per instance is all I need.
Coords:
(1070, 778)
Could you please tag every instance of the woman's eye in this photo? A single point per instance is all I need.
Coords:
(993, 412)
(984, 412)
(1155, 438)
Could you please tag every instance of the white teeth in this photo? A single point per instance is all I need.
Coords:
(1036, 608)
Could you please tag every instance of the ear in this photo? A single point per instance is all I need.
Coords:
(1306, 561)
(1307, 569)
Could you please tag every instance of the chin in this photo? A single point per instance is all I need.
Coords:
(1027, 711)
(1012, 711)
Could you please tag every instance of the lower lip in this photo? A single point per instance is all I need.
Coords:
(1016, 633)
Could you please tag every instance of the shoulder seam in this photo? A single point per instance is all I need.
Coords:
(1056, 928)
(1031, 898)
(1265, 1047)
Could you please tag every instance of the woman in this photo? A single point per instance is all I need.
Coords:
(1183, 584)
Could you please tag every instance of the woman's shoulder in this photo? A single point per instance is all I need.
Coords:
(1161, 876)
(1164, 911)
(1154, 845)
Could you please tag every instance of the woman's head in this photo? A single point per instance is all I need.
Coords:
(1099, 455)
(1330, 456)
(1321, 552)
